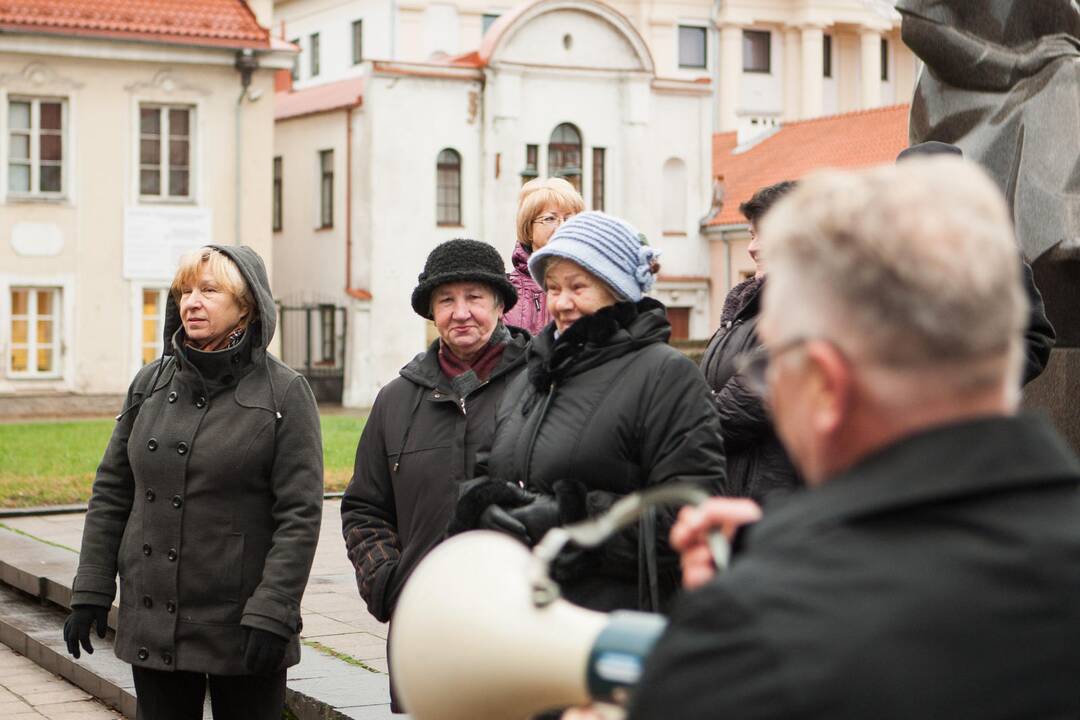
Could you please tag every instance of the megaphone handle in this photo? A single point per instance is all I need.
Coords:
(720, 550)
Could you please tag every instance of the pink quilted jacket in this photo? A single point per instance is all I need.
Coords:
(530, 312)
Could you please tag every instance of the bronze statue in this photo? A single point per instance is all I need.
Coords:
(1002, 81)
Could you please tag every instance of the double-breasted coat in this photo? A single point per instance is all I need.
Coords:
(208, 500)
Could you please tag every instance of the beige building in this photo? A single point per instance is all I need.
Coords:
(130, 134)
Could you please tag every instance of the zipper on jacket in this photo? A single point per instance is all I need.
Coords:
(536, 302)
(535, 433)
(461, 401)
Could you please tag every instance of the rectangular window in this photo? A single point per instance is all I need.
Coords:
(296, 61)
(693, 43)
(598, 179)
(884, 59)
(165, 151)
(34, 331)
(326, 189)
(826, 56)
(757, 51)
(357, 41)
(313, 67)
(532, 155)
(487, 21)
(152, 323)
(277, 194)
(36, 147)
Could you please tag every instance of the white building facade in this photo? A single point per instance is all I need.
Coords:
(438, 151)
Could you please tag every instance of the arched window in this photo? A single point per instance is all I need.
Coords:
(448, 188)
(564, 154)
(674, 189)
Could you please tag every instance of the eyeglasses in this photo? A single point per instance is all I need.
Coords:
(753, 366)
(552, 219)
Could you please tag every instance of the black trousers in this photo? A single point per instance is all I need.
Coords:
(179, 695)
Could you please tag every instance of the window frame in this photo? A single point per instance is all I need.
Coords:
(32, 318)
(314, 50)
(704, 49)
(598, 183)
(277, 202)
(295, 71)
(571, 173)
(326, 190)
(749, 34)
(532, 163)
(826, 56)
(444, 165)
(34, 134)
(884, 59)
(140, 316)
(165, 161)
(357, 41)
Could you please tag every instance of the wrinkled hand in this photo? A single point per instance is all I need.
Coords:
(78, 624)
(264, 652)
(689, 534)
(538, 517)
(1048, 49)
(499, 519)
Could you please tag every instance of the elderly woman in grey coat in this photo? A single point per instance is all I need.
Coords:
(207, 503)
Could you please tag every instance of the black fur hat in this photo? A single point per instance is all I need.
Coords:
(462, 261)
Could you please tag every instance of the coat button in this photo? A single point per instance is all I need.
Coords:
(151, 444)
(181, 448)
(172, 555)
(436, 395)
(147, 601)
(150, 496)
(166, 658)
(170, 607)
(172, 397)
(200, 402)
(177, 501)
(143, 653)
(146, 549)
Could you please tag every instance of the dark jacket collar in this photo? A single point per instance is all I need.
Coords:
(595, 339)
(424, 369)
(944, 463)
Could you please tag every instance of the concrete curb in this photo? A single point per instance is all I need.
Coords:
(319, 688)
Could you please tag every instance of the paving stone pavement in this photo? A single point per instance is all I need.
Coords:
(28, 691)
(334, 615)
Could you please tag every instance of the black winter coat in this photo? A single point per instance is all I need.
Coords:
(419, 443)
(611, 408)
(757, 464)
(938, 578)
(207, 501)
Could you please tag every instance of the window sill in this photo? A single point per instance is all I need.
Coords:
(450, 225)
(24, 377)
(61, 200)
(693, 67)
(150, 200)
(758, 72)
(321, 228)
(672, 233)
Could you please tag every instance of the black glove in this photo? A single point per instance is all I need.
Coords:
(537, 517)
(264, 652)
(78, 624)
(498, 519)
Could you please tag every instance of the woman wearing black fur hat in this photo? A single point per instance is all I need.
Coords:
(425, 427)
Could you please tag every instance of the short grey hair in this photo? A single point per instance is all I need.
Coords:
(912, 265)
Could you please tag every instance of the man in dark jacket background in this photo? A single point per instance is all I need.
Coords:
(757, 464)
(933, 567)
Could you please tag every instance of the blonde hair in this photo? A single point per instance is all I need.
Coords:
(915, 265)
(224, 271)
(538, 194)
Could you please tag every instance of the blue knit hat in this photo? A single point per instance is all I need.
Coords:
(607, 247)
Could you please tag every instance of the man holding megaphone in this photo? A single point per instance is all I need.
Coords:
(932, 570)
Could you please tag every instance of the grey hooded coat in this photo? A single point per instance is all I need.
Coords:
(207, 501)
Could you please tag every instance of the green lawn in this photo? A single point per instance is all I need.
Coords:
(53, 463)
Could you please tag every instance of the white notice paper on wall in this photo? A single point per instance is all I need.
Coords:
(155, 238)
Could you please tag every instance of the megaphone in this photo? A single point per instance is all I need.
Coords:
(480, 632)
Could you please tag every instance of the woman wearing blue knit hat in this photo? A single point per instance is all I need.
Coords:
(605, 408)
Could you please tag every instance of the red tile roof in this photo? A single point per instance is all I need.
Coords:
(222, 23)
(319, 98)
(851, 140)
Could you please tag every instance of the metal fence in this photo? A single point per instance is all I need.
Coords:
(313, 343)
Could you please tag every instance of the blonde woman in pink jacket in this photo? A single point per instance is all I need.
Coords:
(544, 205)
